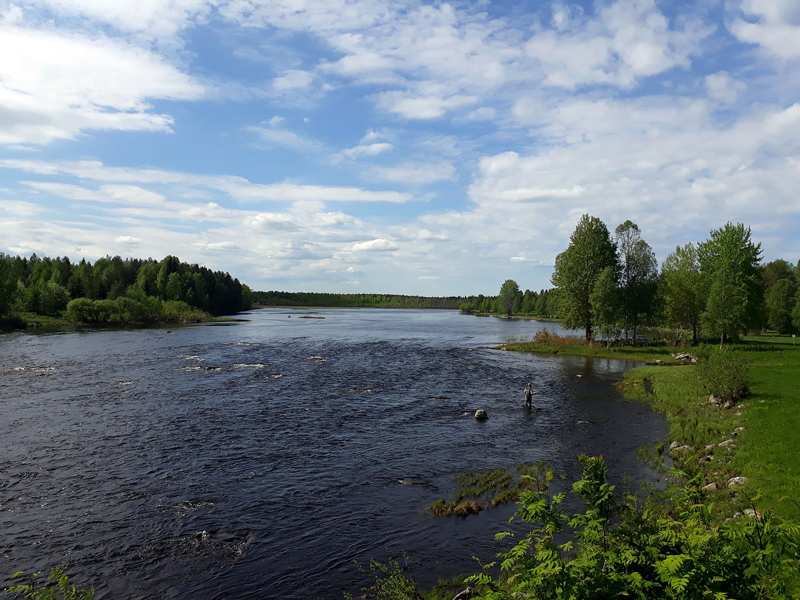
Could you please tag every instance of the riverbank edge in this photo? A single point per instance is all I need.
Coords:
(713, 442)
(512, 317)
(39, 323)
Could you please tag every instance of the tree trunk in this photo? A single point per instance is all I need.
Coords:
(694, 332)
(721, 339)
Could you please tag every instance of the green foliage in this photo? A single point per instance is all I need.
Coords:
(730, 250)
(59, 588)
(508, 295)
(780, 304)
(683, 289)
(638, 276)
(725, 313)
(606, 302)
(624, 548)
(725, 374)
(115, 290)
(577, 269)
(796, 314)
(391, 583)
(498, 484)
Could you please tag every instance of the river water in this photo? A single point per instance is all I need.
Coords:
(284, 439)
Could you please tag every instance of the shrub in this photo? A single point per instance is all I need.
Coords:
(59, 590)
(622, 548)
(724, 373)
(545, 336)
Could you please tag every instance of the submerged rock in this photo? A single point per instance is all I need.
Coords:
(467, 508)
(481, 415)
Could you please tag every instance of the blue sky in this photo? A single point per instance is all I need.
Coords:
(395, 147)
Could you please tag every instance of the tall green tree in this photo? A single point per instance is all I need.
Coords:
(776, 270)
(577, 269)
(508, 296)
(683, 289)
(607, 305)
(732, 250)
(796, 313)
(638, 275)
(780, 303)
(727, 303)
(8, 285)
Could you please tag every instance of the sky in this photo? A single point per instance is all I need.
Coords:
(389, 146)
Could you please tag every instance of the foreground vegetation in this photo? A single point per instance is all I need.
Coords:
(51, 291)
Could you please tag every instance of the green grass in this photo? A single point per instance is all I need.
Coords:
(497, 484)
(646, 354)
(767, 452)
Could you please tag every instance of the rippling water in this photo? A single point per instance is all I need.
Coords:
(283, 440)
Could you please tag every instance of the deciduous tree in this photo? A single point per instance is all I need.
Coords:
(508, 295)
(682, 286)
(577, 269)
(638, 275)
(730, 249)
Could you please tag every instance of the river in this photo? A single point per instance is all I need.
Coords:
(284, 439)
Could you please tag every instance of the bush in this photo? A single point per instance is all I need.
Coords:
(545, 336)
(59, 590)
(724, 373)
(622, 548)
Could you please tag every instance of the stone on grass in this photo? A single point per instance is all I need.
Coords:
(674, 445)
(711, 487)
(727, 444)
(734, 481)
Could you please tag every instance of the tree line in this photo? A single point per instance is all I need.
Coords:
(115, 290)
(275, 298)
(512, 301)
(611, 285)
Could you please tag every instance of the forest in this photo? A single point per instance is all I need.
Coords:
(310, 299)
(113, 290)
(610, 286)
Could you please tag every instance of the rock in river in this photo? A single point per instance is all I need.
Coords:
(481, 415)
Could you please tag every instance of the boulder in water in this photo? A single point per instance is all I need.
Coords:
(481, 415)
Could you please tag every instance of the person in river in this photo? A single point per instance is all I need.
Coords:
(528, 395)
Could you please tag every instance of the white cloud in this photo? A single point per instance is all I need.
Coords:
(366, 150)
(19, 208)
(148, 19)
(222, 246)
(774, 25)
(127, 239)
(628, 40)
(723, 87)
(376, 245)
(418, 172)
(484, 113)
(237, 187)
(274, 136)
(54, 85)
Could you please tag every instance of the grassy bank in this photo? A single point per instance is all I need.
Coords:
(523, 317)
(765, 451)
